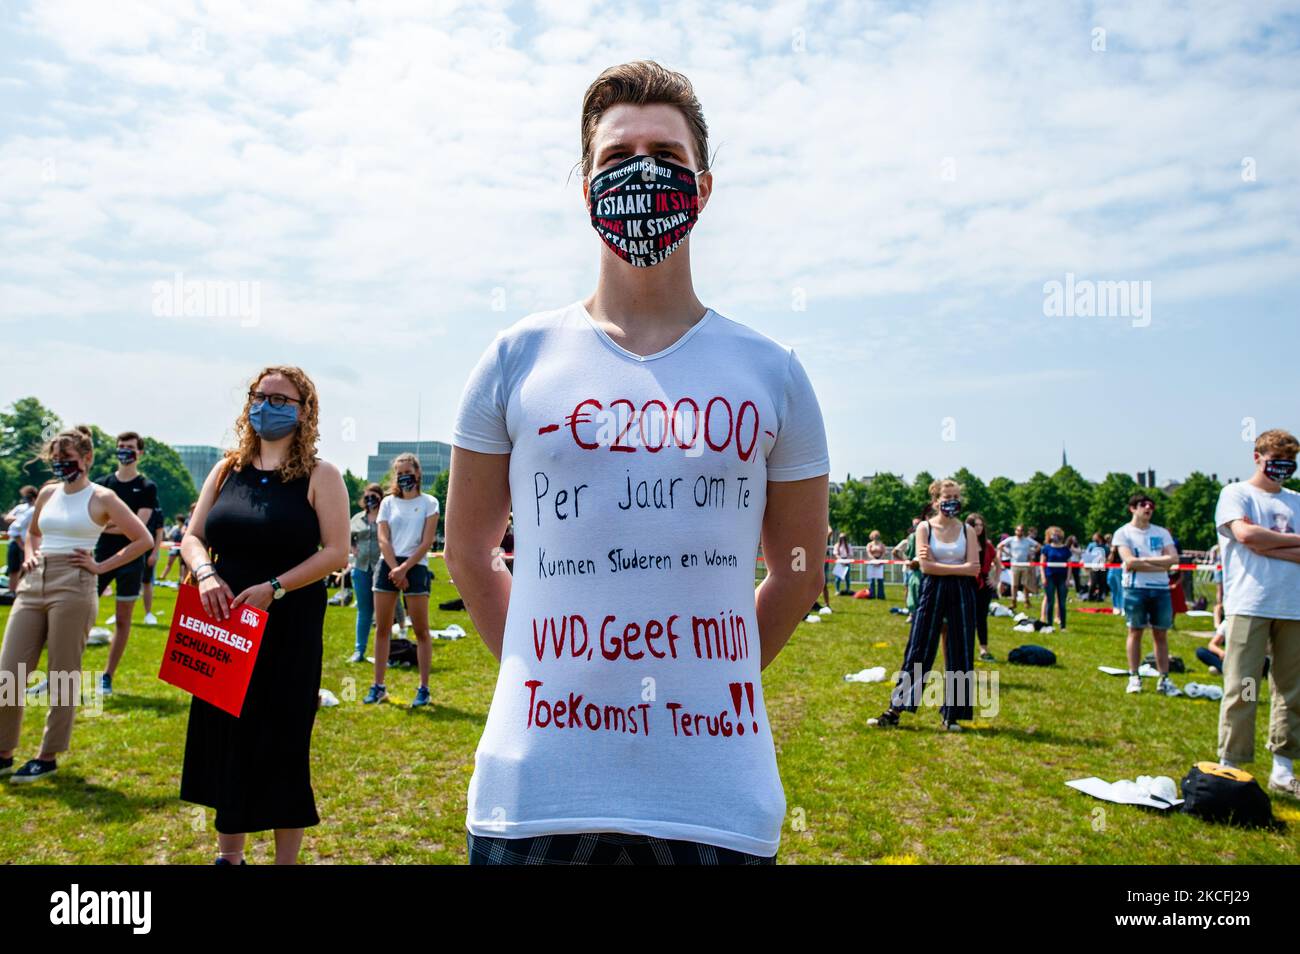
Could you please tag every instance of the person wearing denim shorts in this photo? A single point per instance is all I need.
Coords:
(1147, 552)
(408, 525)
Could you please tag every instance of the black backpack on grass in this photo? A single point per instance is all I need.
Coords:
(1230, 796)
(1176, 663)
(1032, 655)
(401, 652)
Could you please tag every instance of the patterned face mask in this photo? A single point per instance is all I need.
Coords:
(125, 455)
(643, 208)
(408, 481)
(1279, 470)
(66, 470)
(950, 507)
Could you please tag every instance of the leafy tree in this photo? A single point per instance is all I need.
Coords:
(1041, 504)
(1189, 515)
(975, 496)
(23, 428)
(1000, 510)
(439, 490)
(355, 485)
(848, 510)
(1077, 495)
(159, 462)
(1109, 506)
(920, 491)
(889, 508)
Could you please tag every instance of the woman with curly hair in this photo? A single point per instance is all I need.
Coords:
(276, 517)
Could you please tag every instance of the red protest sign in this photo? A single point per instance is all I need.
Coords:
(212, 659)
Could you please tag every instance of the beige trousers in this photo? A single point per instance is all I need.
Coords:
(1249, 640)
(54, 609)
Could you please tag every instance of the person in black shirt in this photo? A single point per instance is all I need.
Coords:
(141, 495)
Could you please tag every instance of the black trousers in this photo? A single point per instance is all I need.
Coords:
(950, 601)
(983, 597)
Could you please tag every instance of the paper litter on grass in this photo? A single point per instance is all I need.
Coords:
(1146, 669)
(1125, 791)
(874, 674)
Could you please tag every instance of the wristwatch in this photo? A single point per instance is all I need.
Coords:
(277, 590)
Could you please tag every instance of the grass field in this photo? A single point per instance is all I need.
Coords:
(390, 783)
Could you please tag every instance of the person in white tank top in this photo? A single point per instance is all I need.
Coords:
(950, 561)
(56, 602)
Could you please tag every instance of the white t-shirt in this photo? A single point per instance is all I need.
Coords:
(1150, 542)
(20, 517)
(405, 518)
(631, 622)
(1256, 585)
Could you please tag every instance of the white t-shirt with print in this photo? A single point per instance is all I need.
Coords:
(629, 697)
(405, 518)
(1253, 584)
(1150, 542)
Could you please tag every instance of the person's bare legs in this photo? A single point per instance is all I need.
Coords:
(1135, 649)
(418, 607)
(385, 604)
(1159, 637)
(288, 842)
(231, 847)
(121, 633)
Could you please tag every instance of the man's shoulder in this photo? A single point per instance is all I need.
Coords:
(538, 324)
(741, 335)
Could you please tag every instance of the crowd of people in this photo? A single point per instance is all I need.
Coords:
(578, 761)
(952, 571)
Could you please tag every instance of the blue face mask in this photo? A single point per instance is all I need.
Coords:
(272, 423)
(950, 507)
(125, 455)
(408, 481)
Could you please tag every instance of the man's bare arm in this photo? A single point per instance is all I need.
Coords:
(794, 535)
(478, 505)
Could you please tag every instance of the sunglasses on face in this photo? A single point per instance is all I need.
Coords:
(275, 400)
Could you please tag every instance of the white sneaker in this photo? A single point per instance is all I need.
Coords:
(1116, 611)
(812, 618)
(826, 611)
(1166, 687)
(1134, 684)
(150, 619)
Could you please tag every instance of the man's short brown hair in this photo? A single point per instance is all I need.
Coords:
(641, 83)
(131, 436)
(1278, 443)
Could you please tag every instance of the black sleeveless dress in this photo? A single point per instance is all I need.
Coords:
(255, 770)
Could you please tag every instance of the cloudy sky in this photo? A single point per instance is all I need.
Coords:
(896, 184)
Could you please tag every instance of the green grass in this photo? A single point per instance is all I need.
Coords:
(390, 783)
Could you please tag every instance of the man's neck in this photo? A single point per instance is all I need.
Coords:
(645, 309)
(1258, 479)
(1141, 522)
(127, 472)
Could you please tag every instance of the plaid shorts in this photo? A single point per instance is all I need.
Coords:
(602, 848)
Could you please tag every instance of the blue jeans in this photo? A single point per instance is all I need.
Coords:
(877, 588)
(1115, 580)
(1053, 591)
(362, 581)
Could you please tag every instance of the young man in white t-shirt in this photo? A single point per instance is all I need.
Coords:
(648, 444)
(1147, 552)
(1258, 521)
